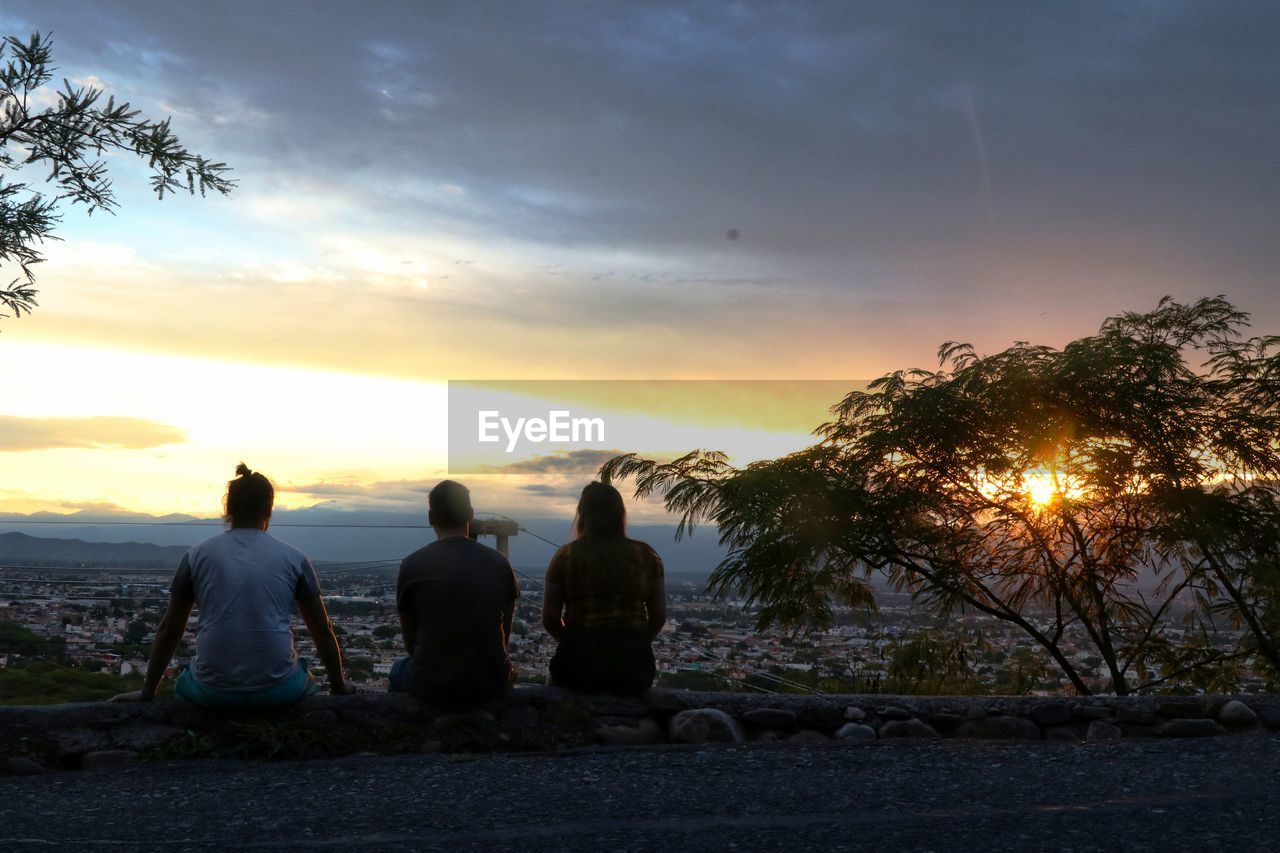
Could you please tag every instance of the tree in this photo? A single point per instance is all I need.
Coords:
(1108, 493)
(70, 139)
(136, 632)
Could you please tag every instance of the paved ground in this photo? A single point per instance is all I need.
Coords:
(1209, 794)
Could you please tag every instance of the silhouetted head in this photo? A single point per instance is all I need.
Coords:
(449, 507)
(249, 500)
(601, 513)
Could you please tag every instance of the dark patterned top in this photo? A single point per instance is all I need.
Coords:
(606, 584)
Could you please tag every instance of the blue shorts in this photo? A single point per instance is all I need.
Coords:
(400, 680)
(293, 688)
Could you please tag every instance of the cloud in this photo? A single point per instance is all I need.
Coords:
(579, 464)
(821, 132)
(962, 163)
(402, 495)
(542, 489)
(99, 433)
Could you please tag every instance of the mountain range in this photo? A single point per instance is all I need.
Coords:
(325, 535)
(21, 549)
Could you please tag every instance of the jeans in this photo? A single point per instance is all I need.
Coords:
(456, 697)
(400, 679)
(293, 688)
(618, 661)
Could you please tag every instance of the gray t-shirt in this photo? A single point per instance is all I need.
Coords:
(245, 582)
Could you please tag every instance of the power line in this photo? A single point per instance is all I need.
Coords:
(707, 655)
(329, 568)
(212, 524)
(72, 599)
(333, 568)
(715, 674)
(133, 570)
(92, 584)
(370, 566)
(537, 536)
(522, 528)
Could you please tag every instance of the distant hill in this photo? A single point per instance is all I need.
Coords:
(21, 549)
(334, 535)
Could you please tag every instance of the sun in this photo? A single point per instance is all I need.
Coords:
(1040, 488)
(1045, 487)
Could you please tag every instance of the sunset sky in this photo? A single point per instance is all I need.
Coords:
(601, 191)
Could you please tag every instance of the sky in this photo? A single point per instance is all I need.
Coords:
(607, 191)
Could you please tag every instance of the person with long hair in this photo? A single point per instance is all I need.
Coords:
(245, 583)
(604, 601)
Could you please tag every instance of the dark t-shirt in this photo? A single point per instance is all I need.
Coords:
(455, 590)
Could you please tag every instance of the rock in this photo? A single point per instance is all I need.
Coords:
(140, 736)
(20, 765)
(108, 758)
(615, 706)
(908, 729)
(776, 718)
(1099, 730)
(1136, 715)
(103, 724)
(1270, 716)
(77, 741)
(1185, 707)
(856, 731)
(1003, 727)
(1092, 712)
(520, 715)
(1192, 727)
(1051, 713)
(642, 731)
(975, 712)
(320, 719)
(465, 721)
(822, 716)
(1065, 733)
(769, 736)
(945, 721)
(1237, 713)
(892, 712)
(703, 725)
(667, 701)
(566, 713)
(853, 712)
(808, 736)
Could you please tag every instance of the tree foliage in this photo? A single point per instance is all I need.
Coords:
(70, 139)
(1120, 492)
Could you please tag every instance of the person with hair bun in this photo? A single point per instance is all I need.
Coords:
(604, 600)
(245, 583)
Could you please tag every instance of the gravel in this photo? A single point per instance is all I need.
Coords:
(929, 795)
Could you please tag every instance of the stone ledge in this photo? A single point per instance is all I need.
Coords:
(44, 737)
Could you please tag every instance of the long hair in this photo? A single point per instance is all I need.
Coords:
(601, 513)
(600, 551)
(250, 498)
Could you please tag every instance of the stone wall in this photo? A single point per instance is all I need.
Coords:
(35, 739)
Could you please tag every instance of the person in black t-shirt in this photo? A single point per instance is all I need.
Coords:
(457, 600)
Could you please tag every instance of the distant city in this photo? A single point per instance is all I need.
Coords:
(96, 621)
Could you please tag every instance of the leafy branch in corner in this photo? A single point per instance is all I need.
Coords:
(70, 139)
